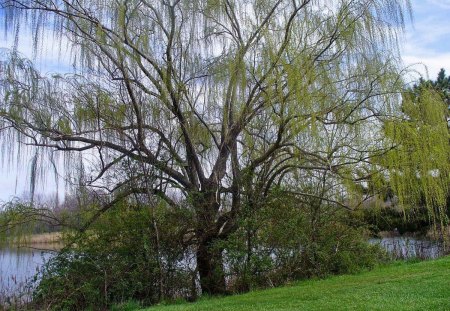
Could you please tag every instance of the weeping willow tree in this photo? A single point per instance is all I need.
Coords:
(206, 102)
(419, 165)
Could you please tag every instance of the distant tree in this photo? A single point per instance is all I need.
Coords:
(440, 85)
(209, 103)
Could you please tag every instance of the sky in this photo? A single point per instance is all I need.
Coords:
(425, 48)
(427, 39)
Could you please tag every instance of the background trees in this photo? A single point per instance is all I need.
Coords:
(212, 106)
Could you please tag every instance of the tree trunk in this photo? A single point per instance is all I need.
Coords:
(209, 254)
(210, 268)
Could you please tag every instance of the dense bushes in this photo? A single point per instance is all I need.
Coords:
(414, 220)
(119, 259)
(388, 216)
(292, 241)
(145, 254)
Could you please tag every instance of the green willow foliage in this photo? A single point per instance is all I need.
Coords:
(419, 165)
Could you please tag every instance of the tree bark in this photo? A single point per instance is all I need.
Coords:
(209, 253)
(210, 268)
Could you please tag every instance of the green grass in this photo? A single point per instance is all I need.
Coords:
(400, 286)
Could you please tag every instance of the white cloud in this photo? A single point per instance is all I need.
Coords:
(427, 40)
(428, 65)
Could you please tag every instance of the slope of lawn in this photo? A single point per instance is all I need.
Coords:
(400, 286)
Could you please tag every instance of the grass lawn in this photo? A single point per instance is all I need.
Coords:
(400, 286)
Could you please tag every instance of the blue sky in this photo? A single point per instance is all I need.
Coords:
(425, 43)
(427, 40)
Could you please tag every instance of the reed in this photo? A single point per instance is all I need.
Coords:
(50, 240)
(43, 238)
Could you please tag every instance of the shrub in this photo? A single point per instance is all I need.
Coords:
(286, 241)
(118, 260)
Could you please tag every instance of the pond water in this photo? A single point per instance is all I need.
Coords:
(407, 247)
(17, 267)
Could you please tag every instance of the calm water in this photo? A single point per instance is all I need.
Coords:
(17, 266)
(404, 248)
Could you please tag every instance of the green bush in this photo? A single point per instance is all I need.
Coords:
(286, 241)
(117, 260)
(122, 259)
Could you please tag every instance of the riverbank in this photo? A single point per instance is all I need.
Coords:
(50, 241)
(399, 286)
